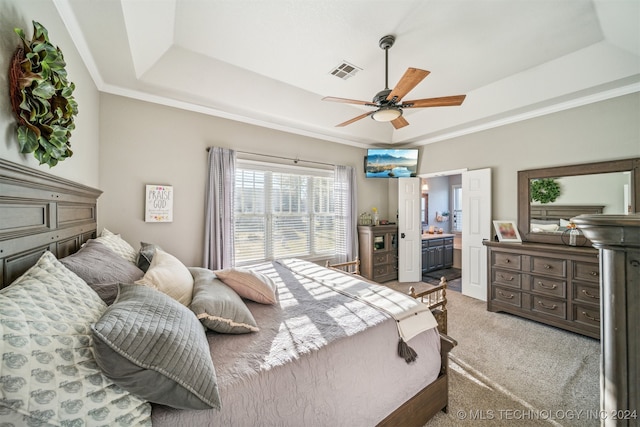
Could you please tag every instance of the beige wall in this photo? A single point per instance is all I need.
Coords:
(142, 143)
(607, 130)
(83, 165)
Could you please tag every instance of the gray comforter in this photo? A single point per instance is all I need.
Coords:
(320, 358)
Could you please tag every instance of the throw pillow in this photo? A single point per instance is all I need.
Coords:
(168, 275)
(145, 255)
(118, 245)
(153, 346)
(48, 373)
(217, 306)
(102, 269)
(249, 284)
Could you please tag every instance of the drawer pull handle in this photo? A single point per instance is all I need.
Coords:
(548, 307)
(586, 292)
(547, 266)
(508, 279)
(507, 260)
(547, 286)
(593, 319)
(594, 273)
(510, 296)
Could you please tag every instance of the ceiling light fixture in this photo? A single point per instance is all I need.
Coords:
(386, 114)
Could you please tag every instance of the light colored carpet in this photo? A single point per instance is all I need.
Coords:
(513, 371)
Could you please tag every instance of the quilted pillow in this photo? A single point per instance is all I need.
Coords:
(249, 284)
(118, 245)
(217, 306)
(102, 269)
(168, 275)
(48, 374)
(153, 346)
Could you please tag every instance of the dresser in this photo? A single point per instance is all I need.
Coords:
(553, 284)
(378, 252)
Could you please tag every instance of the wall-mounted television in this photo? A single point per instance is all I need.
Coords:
(391, 163)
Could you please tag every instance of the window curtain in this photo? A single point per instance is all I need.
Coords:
(218, 229)
(346, 193)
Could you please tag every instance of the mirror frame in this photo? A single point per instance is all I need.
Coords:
(524, 197)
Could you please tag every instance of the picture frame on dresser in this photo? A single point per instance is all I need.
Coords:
(507, 231)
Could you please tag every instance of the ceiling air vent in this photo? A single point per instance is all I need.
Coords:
(345, 70)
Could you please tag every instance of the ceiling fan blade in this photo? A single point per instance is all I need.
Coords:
(347, 101)
(355, 119)
(409, 80)
(400, 122)
(445, 101)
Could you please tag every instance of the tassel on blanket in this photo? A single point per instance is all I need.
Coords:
(406, 352)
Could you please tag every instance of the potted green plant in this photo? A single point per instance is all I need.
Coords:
(42, 98)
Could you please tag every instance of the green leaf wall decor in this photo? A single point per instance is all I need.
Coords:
(42, 98)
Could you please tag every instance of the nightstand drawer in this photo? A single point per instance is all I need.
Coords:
(586, 292)
(544, 285)
(549, 306)
(506, 296)
(505, 277)
(586, 271)
(549, 266)
(506, 260)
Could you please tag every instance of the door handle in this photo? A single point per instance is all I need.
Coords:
(402, 235)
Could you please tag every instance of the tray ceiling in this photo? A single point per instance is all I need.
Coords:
(269, 62)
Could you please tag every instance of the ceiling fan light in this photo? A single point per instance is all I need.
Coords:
(386, 114)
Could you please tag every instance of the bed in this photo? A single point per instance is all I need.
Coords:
(552, 218)
(326, 352)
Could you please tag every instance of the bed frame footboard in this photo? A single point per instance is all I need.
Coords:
(430, 400)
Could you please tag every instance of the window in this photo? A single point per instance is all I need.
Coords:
(283, 211)
(457, 208)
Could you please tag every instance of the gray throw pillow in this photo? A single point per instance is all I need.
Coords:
(218, 306)
(145, 255)
(154, 347)
(102, 269)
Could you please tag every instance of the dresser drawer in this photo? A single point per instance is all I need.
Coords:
(506, 296)
(505, 277)
(549, 306)
(380, 258)
(586, 292)
(506, 260)
(588, 271)
(587, 315)
(552, 287)
(382, 270)
(549, 266)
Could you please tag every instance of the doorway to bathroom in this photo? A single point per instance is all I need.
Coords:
(459, 206)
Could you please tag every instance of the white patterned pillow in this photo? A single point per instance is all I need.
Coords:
(118, 245)
(48, 373)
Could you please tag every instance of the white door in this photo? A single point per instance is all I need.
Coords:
(476, 226)
(409, 230)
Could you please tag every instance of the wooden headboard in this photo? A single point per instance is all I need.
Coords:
(550, 212)
(40, 212)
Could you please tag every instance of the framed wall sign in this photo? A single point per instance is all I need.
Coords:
(158, 203)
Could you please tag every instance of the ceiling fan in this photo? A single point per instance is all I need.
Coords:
(389, 102)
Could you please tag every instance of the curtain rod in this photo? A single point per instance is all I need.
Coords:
(296, 160)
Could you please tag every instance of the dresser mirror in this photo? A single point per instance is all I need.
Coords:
(605, 187)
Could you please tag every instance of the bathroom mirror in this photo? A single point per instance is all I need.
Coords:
(604, 187)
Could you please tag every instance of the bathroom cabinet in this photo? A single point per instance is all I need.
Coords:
(437, 253)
